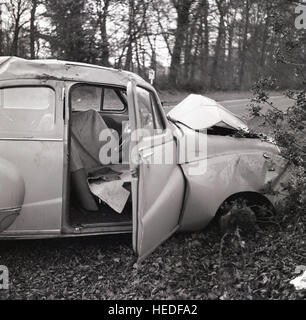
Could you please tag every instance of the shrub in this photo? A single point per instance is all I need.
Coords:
(288, 130)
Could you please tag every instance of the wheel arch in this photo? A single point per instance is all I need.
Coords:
(253, 198)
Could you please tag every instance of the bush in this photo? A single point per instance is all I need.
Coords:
(288, 130)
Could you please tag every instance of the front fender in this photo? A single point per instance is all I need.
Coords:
(227, 175)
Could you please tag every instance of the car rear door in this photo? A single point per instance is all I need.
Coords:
(32, 141)
(160, 187)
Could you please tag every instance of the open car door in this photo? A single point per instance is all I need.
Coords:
(159, 186)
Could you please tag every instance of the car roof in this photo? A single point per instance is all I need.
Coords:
(14, 68)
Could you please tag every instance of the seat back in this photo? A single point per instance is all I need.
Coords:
(86, 130)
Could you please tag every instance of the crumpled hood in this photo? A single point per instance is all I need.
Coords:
(199, 113)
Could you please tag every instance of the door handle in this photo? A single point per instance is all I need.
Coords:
(145, 156)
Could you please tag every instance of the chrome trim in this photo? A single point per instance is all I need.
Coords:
(19, 233)
(31, 139)
(8, 210)
(58, 235)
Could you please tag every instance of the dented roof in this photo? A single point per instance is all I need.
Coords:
(13, 68)
(199, 113)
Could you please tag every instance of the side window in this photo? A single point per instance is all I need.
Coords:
(112, 101)
(86, 97)
(27, 111)
(149, 117)
(90, 97)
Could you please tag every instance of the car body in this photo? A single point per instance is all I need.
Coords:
(185, 195)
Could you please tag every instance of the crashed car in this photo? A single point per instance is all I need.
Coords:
(54, 117)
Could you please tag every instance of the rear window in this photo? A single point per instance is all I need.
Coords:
(26, 111)
(26, 98)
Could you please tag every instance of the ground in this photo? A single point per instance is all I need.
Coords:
(188, 266)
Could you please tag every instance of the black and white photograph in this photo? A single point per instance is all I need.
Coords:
(152, 151)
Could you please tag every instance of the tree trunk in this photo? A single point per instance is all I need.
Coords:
(129, 55)
(231, 32)
(1, 33)
(182, 8)
(33, 29)
(230, 68)
(195, 58)
(221, 33)
(192, 42)
(265, 38)
(230, 46)
(244, 43)
(14, 48)
(104, 37)
(187, 53)
(206, 37)
(17, 17)
(205, 43)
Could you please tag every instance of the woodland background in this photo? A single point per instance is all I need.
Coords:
(196, 45)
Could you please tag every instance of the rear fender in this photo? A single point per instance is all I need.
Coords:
(12, 193)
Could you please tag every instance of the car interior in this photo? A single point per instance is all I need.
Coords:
(99, 193)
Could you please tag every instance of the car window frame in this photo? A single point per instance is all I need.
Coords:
(119, 95)
(154, 95)
(56, 132)
(98, 85)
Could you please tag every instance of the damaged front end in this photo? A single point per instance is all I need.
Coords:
(236, 162)
(199, 113)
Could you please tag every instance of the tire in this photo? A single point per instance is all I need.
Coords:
(237, 214)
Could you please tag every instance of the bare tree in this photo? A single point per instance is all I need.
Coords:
(205, 43)
(17, 9)
(222, 7)
(136, 31)
(68, 37)
(183, 9)
(212, 44)
(102, 13)
(33, 31)
(129, 55)
(266, 33)
(161, 10)
(243, 53)
(1, 32)
(191, 44)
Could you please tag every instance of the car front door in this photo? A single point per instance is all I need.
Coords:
(160, 187)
